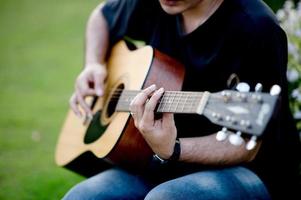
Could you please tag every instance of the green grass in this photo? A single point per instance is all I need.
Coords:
(41, 52)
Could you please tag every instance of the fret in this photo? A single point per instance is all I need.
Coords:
(171, 101)
(175, 102)
(186, 104)
(196, 101)
(183, 104)
(179, 97)
(162, 103)
(188, 107)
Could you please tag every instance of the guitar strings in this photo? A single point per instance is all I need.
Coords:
(174, 100)
(167, 94)
(171, 98)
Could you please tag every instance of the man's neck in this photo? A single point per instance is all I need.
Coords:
(197, 15)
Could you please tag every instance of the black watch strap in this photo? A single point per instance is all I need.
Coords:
(176, 151)
(175, 155)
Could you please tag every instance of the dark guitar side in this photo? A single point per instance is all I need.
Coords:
(132, 151)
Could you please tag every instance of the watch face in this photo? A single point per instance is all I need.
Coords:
(173, 158)
(159, 160)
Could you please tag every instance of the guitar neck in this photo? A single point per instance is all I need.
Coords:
(171, 101)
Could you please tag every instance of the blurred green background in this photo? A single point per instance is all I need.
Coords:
(41, 53)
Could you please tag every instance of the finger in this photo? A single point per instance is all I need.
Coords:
(84, 89)
(134, 111)
(99, 83)
(137, 105)
(148, 115)
(74, 106)
(84, 105)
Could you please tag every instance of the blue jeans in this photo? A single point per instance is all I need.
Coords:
(229, 183)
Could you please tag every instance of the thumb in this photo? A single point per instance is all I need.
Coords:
(99, 84)
(168, 119)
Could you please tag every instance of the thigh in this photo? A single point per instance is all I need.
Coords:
(111, 184)
(230, 183)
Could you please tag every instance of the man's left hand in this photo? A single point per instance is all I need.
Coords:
(161, 133)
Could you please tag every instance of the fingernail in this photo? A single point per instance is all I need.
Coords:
(99, 92)
(153, 86)
(161, 90)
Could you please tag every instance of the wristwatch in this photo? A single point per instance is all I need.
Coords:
(175, 155)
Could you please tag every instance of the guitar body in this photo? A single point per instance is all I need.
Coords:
(111, 138)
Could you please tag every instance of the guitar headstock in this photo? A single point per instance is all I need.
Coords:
(245, 112)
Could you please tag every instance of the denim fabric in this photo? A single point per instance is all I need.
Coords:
(231, 183)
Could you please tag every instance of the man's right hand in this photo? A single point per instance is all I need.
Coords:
(90, 82)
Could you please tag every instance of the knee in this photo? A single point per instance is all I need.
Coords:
(159, 194)
(91, 188)
(189, 187)
(171, 190)
(78, 192)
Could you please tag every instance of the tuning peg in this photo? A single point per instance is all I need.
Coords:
(252, 143)
(258, 87)
(222, 134)
(275, 90)
(243, 87)
(236, 139)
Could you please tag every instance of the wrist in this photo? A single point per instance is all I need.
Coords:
(175, 156)
(94, 64)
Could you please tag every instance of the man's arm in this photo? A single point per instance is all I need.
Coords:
(97, 38)
(208, 151)
(161, 134)
(90, 81)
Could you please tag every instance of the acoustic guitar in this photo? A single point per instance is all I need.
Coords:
(111, 137)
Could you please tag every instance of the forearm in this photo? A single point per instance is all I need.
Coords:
(208, 151)
(97, 38)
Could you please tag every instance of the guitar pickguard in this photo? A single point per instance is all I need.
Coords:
(95, 130)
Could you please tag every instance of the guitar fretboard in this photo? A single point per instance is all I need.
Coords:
(171, 101)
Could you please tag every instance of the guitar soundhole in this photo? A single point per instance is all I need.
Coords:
(114, 100)
(95, 129)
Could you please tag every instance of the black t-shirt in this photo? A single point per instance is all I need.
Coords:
(241, 37)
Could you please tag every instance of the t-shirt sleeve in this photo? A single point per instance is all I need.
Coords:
(118, 14)
(132, 18)
(266, 58)
(267, 64)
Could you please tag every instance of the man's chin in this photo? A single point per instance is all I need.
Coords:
(171, 10)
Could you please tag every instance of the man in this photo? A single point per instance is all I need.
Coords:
(214, 39)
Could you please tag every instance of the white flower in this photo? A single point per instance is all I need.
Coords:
(299, 98)
(290, 21)
(295, 93)
(297, 115)
(281, 15)
(299, 8)
(292, 75)
(288, 6)
(291, 48)
(298, 33)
